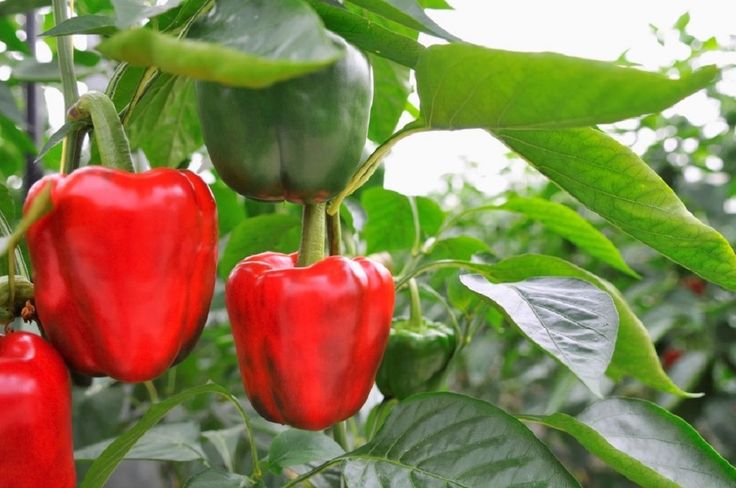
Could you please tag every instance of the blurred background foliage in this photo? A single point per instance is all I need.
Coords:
(692, 323)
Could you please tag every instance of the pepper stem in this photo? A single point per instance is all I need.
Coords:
(108, 130)
(415, 307)
(312, 246)
(340, 435)
(334, 234)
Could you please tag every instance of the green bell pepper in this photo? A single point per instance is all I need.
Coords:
(299, 140)
(417, 355)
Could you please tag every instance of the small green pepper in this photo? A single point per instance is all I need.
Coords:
(417, 355)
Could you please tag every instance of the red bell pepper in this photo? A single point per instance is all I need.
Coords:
(124, 268)
(35, 415)
(309, 339)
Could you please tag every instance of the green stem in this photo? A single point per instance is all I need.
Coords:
(481, 268)
(417, 247)
(109, 133)
(152, 392)
(366, 170)
(334, 234)
(415, 307)
(65, 50)
(341, 436)
(72, 147)
(312, 246)
(438, 296)
(256, 474)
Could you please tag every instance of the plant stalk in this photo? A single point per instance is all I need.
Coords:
(72, 146)
(312, 246)
(415, 307)
(108, 130)
(334, 234)
(339, 433)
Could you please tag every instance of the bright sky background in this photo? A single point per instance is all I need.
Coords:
(584, 28)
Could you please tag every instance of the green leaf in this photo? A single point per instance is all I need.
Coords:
(168, 442)
(431, 216)
(405, 12)
(634, 354)
(103, 467)
(225, 442)
(230, 210)
(435, 4)
(58, 136)
(7, 215)
(260, 57)
(571, 319)
(212, 478)
(391, 90)
(87, 7)
(131, 12)
(165, 123)
(9, 34)
(271, 232)
(390, 225)
(9, 7)
(368, 35)
(611, 180)
(84, 24)
(8, 106)
(446, 439)
(569, 224)
(466, 86)
(646, 443)
(10, 132)
(459, 247)
(682, 22)
(296, 447)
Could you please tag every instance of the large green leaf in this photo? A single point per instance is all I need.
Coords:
(466, 86)
(390, 221)
(165, 123)
(406, 12)
(391, 90)
(168, 442)
(646, 443)
(611, 180)
(446, 439)
(634, 354)
(296, 447)
(569, 224)
(84, 24)
(571, 319)
(105, 464)
(368, 35)
(212, 478)
(278, 41)
(271, 232)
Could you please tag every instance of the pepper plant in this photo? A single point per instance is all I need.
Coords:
(527, 326)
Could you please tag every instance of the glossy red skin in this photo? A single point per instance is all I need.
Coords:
(124, 268)
(35, 415)
(309, 340)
